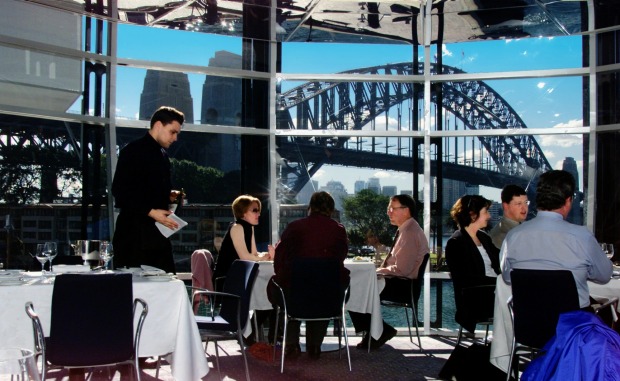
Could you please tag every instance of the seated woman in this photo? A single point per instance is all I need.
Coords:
(473, 260)
(239, 241)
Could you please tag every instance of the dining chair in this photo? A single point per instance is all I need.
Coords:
(92, 323)
(234, 309)
(202, 275)
(538, 299)
(479, 302)
(315, 294)
(411, 300)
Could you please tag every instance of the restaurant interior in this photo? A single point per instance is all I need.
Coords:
(286, 97)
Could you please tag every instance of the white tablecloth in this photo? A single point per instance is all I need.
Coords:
(169, 328)
(364, 292)
(502, 325)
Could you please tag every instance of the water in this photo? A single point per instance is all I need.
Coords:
(397, 318)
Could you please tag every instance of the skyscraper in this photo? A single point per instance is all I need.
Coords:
(165, 88)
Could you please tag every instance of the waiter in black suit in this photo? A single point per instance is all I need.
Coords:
(142, 191)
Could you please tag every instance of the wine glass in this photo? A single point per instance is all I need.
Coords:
(610, 250)
(605, 249)
(106, 252)
(50, 251)
(41, 257)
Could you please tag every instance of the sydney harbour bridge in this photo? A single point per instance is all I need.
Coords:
(344, 106)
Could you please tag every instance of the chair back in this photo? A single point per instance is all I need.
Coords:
(315, 290)
(91, 319)
(239, 281)
(416, 286)
(538, 299)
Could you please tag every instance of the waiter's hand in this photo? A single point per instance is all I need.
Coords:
(161, 216)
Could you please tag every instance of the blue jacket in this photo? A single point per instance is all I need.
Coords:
(583, 349)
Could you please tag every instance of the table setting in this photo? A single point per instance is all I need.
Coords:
(169, 329)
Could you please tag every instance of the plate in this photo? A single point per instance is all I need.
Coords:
(11, 282)
(159, 278)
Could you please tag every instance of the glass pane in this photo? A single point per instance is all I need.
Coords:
(145, 43)
(346, 58)
(203, 99)
(514, 55)
(338, 105)
(46, 167)
(512, 103)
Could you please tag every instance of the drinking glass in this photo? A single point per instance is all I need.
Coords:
(610, 250)
(51, 251)
(106, 252)
(41, 257)
(18, 364)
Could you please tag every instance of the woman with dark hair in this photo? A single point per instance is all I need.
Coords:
(472, 258)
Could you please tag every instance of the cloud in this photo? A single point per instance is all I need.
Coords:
(382, 175)
(566, 140)
(541, 85)
(445, 51)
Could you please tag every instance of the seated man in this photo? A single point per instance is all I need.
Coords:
(315, 236)
(549, 242)
(403, 261)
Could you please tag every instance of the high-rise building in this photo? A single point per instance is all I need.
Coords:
(359, 185)
(166, 88)
(374, 184)
(221, 105)
(389, 190)
(337, 190)
(576, 213)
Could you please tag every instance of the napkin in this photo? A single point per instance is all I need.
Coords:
(166, 231)
(151, 271)
(60, 269)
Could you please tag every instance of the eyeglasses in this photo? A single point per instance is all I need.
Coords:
(255, 210)
(520, 203)
(392, 208)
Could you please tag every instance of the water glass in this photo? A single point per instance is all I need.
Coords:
(106, 252)
(18, 364)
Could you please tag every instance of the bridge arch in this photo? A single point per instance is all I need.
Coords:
(342, 106)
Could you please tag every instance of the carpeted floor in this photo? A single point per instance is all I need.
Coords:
(398, 360)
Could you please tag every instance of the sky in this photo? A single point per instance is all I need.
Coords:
(541, 103)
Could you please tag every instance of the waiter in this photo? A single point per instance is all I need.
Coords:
(142, 191)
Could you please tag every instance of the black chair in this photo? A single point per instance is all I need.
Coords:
(315, 294)
(411, 300)
(478, 302)
(538, 299)
(234, 308)
(92, 323)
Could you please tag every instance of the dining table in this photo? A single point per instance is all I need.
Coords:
(364, 289)
(502, 322)
(169, 329)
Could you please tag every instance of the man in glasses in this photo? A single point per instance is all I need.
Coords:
(515, 205)
(403, 261)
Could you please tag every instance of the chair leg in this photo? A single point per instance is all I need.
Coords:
(343, 328)
(283, 343)
(408, 324)
(414, 312)
(458, 340)
(275, 336)
(217, 359)
(245, 358)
